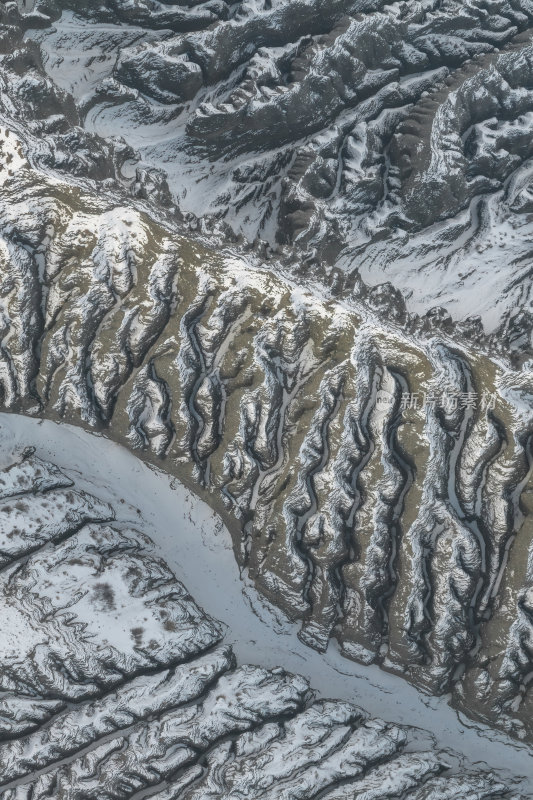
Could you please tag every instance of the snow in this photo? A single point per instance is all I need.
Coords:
(51, 518)
(197, 547)
(480, 271)
(78, 57)
(31, 475)
(141, 697)
(18, 634)
(476, 262)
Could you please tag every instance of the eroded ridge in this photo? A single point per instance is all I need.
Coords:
(114, 684)
(377, 483)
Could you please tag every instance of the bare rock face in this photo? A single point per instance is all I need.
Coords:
(114, 682)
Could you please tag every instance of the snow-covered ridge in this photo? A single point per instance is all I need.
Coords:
(397, 528)
(374, 468)
(388, 138)
(160, 706)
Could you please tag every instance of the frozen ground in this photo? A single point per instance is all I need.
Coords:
(197, 547)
